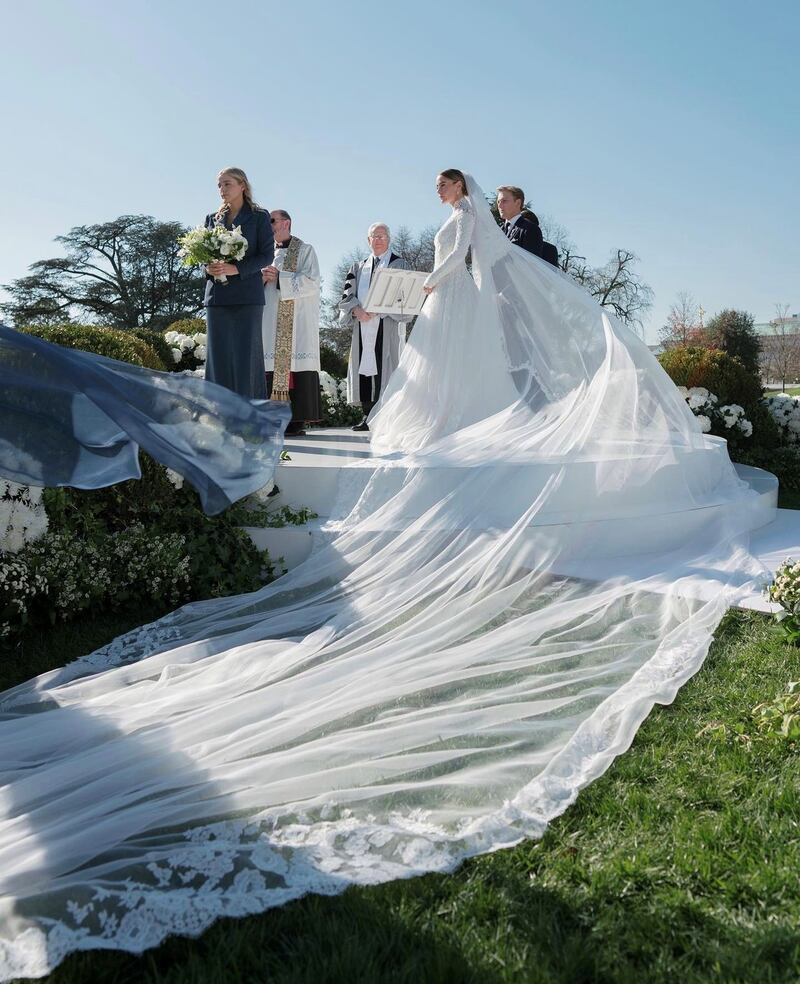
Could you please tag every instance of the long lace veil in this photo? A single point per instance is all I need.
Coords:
(489, 623)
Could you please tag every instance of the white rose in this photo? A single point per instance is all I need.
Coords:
(746, 427)
(705, 423)
(199, 337)
(170, 337)
(200, 353)
(225, 249)
(177, 355)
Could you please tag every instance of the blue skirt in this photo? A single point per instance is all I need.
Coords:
(234, 350)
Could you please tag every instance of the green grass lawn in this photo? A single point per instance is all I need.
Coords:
(682, 863)
(791, 390)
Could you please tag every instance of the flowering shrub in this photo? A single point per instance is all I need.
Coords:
(726, 421)
(22, 516)
(19, 586)
(726, 377)
(65, 572)
(336, 411)
(188, 351)
(785, 411)
(785, 589)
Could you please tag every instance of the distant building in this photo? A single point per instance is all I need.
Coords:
(790, 325)
(780, 350)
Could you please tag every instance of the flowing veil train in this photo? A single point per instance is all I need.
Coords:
(74, 418)
(493, 615)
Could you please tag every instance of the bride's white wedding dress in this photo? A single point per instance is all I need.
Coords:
(448, 377)
(499, 609)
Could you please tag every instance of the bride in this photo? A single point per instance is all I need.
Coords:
(451, 373)
(541, 554)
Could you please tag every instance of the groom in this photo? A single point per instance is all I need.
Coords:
(520, 225)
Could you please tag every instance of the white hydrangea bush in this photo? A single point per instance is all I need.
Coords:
(728, 420)
(785, 411)
(23, 519)
(336, 410)
(188, 351)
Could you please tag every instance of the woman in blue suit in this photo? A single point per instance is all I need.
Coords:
(235, 354)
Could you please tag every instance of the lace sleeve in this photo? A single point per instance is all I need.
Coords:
(465, 223)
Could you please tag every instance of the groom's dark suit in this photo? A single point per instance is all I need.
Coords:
(525, 232)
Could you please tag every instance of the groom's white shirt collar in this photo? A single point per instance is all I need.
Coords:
(511, 222)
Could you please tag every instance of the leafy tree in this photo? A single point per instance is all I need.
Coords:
(125, 274)
(734, 332)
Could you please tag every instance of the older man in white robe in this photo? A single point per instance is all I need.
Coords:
(290, 327)
(377, 341)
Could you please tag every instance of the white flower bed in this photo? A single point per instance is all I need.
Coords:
(334, 391)
(727, 420)
(22, 516)
(188, 350)
(785, 411)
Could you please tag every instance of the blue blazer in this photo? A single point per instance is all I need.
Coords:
(248, 287)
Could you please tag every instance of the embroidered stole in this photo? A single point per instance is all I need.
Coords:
(281, 378)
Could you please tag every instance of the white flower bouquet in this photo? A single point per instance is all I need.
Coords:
(202, 246)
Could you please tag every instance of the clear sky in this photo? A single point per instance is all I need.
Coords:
(672, 129)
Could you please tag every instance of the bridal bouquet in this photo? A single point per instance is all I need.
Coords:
(202, 246)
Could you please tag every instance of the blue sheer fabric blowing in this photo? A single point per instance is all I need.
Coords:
(69, 417)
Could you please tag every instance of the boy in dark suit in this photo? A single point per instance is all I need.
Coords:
(519, 223)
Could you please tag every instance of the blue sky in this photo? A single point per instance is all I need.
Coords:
(672, 129)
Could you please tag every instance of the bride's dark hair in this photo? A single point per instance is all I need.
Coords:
(453, 174)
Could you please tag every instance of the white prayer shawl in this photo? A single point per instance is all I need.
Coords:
(394, 332)
(302, 287)
(369, 329)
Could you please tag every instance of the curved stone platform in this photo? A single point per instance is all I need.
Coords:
(311, 478)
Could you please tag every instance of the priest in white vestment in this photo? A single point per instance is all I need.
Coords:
(290, 327)
(377, 341)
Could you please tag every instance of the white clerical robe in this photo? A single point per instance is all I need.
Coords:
(302, 287)
(369, 329)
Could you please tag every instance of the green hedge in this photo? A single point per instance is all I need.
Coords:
(157, 342)
(331, 362)
(784, 463)
(110, 342)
